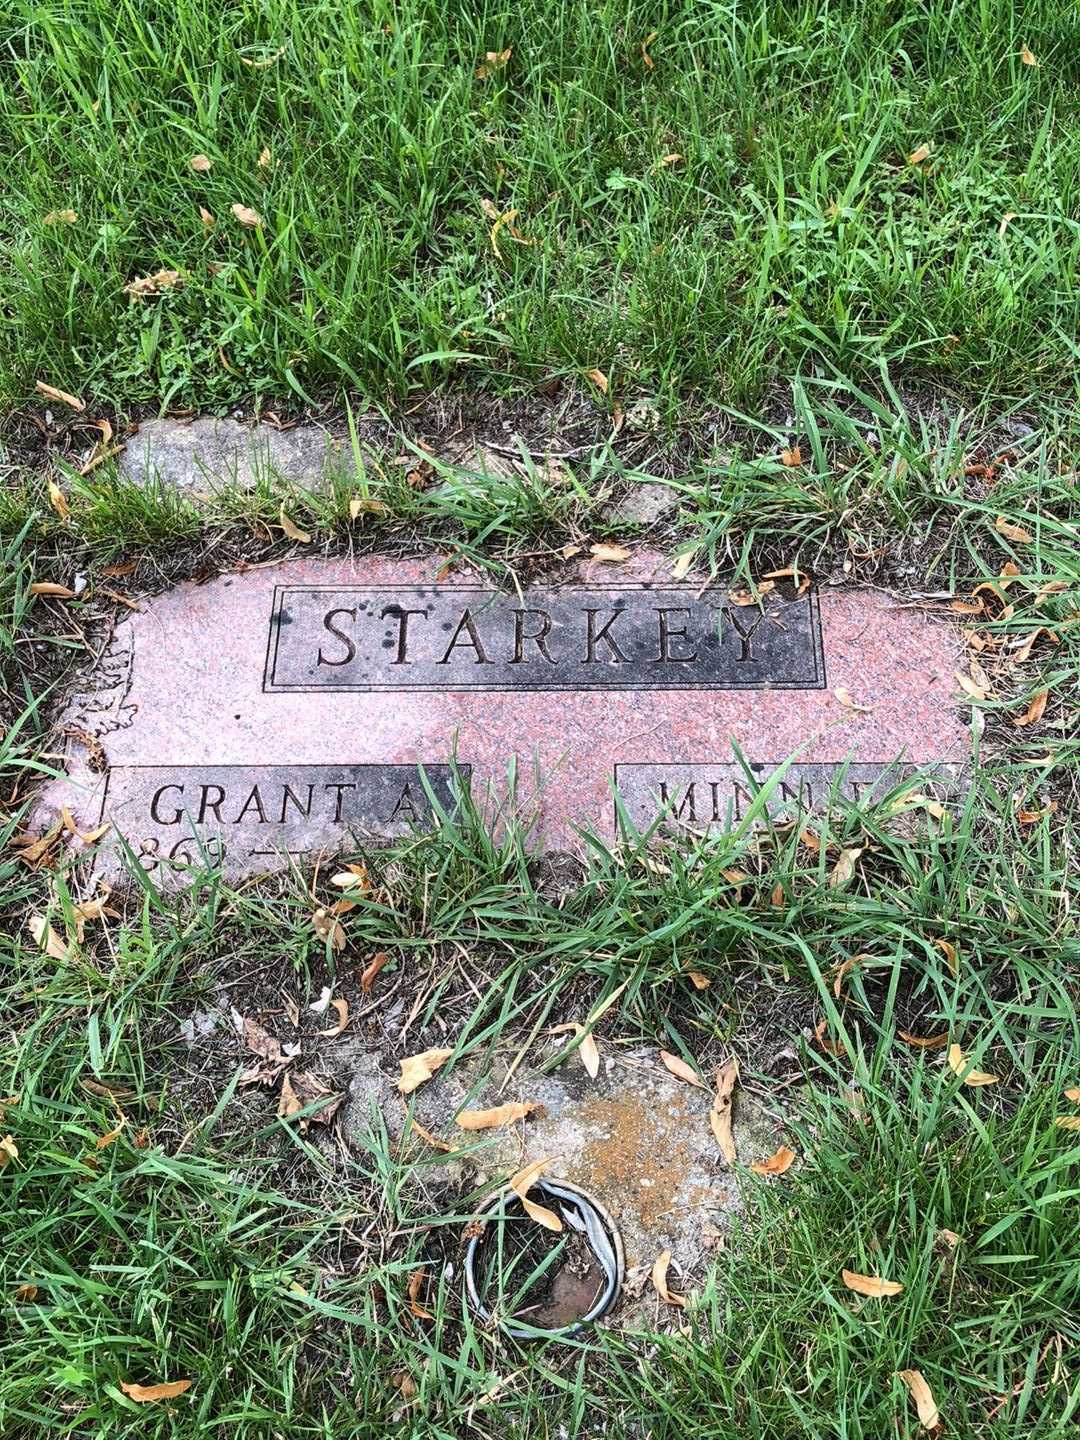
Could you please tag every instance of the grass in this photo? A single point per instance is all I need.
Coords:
(791, 235)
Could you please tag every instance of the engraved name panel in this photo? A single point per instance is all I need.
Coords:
(610, 637)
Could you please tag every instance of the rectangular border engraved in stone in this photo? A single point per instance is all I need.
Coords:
(129, 792)
(722, 785)
(575, 637)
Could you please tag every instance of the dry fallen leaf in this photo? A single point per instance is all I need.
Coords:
(958, 1064)
(47, 938)
(1068, 1122)
(8, 1150)
(842, 694)
(650, 63)
(329, 927)
(844, 869)
(1027, 56)
(432, 1140)
(1035, 710)
(412, 1291)
(1012, 532)
(200, 163)
(267, 60)
(588, 1051)
(778, 1163)
(58, 500)
(248, 217)
(508, 1114)
(1006, 221)
(673, 159)
(919, 154)
(371, 969)
(520, 1185)
(611, 554)
(681, 1070)
(792, 457)
(682, 565)
(659, 1281)
(292, 531)
(599, 379)
(341, 1009)
(155, 284)
(264, 157)
(493, 60)
(51, 393)
(415, 1069)
(871, 1285)
(968, 686)
(948, 949)
(148, 1394)
(366, 505)
(104, 1141)
(24, 1294)
(720, 1114)
(1073, 1093)
(55, 217)
(353, 877)
(698, 980)
(206, 218)
(51, 588)
(925, 1042)
(923, 1397)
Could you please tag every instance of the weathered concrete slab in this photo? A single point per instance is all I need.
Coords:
(316, 704)
(196, 456)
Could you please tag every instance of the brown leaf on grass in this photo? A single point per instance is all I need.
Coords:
(8, 1151)
(923, 1396)
(778, 1163)
(266, 61)
(521, 1183)
(47, 938)
(341, 1009)
(104, 1141)
(1035, 710)
(299, 1090)
(720, 1114)
(1073, 1093)
(404, 1384)
(156, 284)
(673, 159)
(58, 500)
(264, 157)
(353, 877)
(959, 1065)
(681, 1070)
(247, 217)
(291, 530)
(200, 163)
(1015, 533)
(599, 379)
(844, 869)
(412, 1291)
(698, 980)
(260, 1042)
(948, 949)
(33, 849)
(206, 218)
(609, 554)
(588, 1051)
(56, 217)
(791, 457)
(659, 1276)
(1068, 1122)
(416, 1069)
(51, 588)
(871, 1285)
(509, 1114)
(925, 1042)
(24, 1294)
(432, 1140)
(844, 969)
(371, 969)
(366, 505)
(919, 154)
(683, 564)
(1027, 56)
(88, 837)
(150, 1394)
(1006, 221)
(61, 396)
(494, 60)
(649, 62)
(329, 927)
(967, 607)
(968, 686)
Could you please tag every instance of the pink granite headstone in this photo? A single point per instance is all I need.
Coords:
(323, 704)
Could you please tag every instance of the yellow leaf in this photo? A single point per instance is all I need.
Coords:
(416, 1069)
(969, 687)
(55, 217)
(353, 877)
(267, 60)
(264, 157)
(659, 1281)
(959, 1063)
(47, 938)
(650, 63)
(148, 1394)
(1034, 712)
(923, 1397)
(155, 284)
(791, 458)
(366, 505)
(493, 60)
(599, 379)
(200, 163)
(1073, 1093)
(682, 565)
(1068, 1122)
(1006, 221)
(871, 1285)
(842, 695)
(610, 554)
(51, 393)
(672, 159)
(520, 1185)
(292, 531)
(720, 1114)
(248, 217)
(681, 1070)
(778, 1163)
(1027, 56)
(918, 155)
(508, 1114)
(1012, 532)
(8, 1150)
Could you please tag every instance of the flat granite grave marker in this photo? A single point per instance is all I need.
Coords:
(322, 705)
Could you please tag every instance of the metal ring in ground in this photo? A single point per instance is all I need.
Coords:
(582, 1212)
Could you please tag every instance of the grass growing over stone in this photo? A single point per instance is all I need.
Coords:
(707, 196)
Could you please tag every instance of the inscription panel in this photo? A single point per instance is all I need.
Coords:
(715, 797)
(242, 815)
(612, 637)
